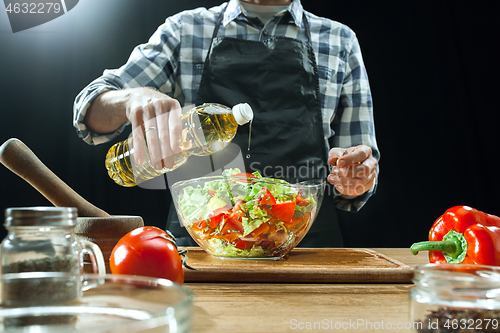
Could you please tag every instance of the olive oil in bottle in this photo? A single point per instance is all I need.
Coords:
(206, 129)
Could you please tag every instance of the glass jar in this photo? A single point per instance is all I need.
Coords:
(455, 298)
(42, 239)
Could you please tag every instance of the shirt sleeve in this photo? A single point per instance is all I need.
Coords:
(150, 65)
(354, 122)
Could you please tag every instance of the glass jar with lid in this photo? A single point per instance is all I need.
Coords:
(42, 239)
(455, 298)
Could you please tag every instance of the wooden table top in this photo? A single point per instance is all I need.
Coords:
(309, 307)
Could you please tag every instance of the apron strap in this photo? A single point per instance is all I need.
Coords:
(308, 29)
(216, 29)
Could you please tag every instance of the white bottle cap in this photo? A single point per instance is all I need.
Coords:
(242, 113)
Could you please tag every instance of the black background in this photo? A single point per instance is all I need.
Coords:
(433, 69)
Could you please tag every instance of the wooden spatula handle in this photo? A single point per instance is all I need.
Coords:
(17, 157)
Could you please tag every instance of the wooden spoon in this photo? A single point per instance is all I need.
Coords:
(17, 157)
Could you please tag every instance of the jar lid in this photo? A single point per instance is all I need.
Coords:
(243, 113)
(40, 216)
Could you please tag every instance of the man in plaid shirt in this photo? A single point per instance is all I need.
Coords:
(303, 76)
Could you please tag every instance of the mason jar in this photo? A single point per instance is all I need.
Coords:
(42, 239)
(455, 298)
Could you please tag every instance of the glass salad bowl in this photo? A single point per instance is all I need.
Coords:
(245, 215)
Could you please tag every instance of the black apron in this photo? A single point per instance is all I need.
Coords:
(278, 78)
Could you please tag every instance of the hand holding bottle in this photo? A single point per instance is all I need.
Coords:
(157, 117)
(148, 110)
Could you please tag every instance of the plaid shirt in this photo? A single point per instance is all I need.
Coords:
(172, 62)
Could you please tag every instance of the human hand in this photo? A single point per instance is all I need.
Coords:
(158, 117)
(353, 169)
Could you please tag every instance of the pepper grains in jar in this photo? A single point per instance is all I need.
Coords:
(456, 298)
(460, 320)
(40, 264)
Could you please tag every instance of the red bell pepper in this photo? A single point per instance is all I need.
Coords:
(463, 235)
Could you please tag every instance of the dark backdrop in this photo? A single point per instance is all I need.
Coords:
(433, 68)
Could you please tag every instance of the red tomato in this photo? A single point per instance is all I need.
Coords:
(231, 228)
(199, 225)
(295, 222)
(236, 219)
(244, 245)
(266, 198)
(230, 232)
(301, 201)
(216, 217)
(147, 251)
(262, 229)
(244, 174)
(283, 210)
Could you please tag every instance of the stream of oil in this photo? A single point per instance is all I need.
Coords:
(249, 138)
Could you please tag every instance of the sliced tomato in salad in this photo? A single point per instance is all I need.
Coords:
(243, 245)
(237, 205)
(231, 227)
(244, 174)
(266, 198)
(262, 229)
(283, 210)
(236, 220)
(199, 225)
(299, 199)
(247, 175)
(216, 217)
(230, 231)
(295, 222)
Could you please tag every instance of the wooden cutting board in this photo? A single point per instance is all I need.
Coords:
(305, 265)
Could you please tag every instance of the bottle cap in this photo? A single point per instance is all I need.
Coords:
(242, 113)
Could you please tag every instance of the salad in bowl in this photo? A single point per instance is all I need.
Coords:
(245, 215)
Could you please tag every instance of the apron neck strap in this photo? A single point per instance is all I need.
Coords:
(218, 23)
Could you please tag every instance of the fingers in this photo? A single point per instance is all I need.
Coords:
(151, 129)
(137, 121)
(159, 121)
(354, 156)
(169, 130)
(175, 128)
(352, 186)
(353, 171)
(335, 154)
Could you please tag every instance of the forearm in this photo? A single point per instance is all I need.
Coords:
(108, 111)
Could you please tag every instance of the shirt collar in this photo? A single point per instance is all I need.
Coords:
(234, 10)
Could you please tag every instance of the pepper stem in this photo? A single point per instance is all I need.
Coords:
(453, 246)
(443, 246)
